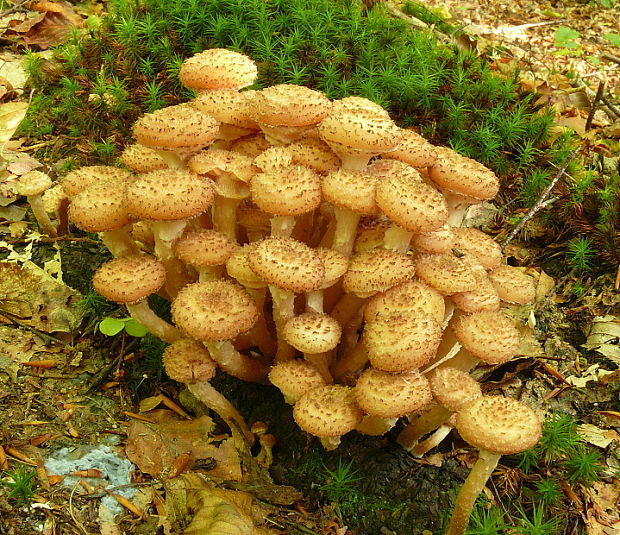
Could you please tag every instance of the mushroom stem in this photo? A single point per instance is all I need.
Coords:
(397, 239)
(235, 363)
(457, 207)
(433, 440)
(314, 301)
(143, 314)
(225, 216)
(375, 425)
(473, 486)
(351, 362)
(259, 335)
(172, 159)
(346, 308)
(166, 233)
(321, 362)
(282, 225)
(216, 401)
(119, 242)
(283, 310)
(427, 422)
(345, 232)
(40, 214)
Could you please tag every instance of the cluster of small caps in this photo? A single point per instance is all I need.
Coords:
(308, 243)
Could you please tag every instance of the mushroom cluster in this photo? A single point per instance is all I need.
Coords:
(306, 242)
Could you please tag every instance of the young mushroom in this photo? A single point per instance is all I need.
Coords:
(32, 185)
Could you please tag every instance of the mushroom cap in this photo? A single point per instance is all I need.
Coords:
(204, 247)
(129, 279)
(353, 190)
(315, 154)
(376, 271)
(499, 425)
(290, 105)
(329, 411)
(215, 162)
(312, 332)
(335, 264)
(79, 179)
(446, 272)
(168, 195)
(411, 203)
(355, 103)
(176, 127)
(142, 159)
(404, 342)
(251, 145)
(188, 361)
(218, 68)
(410, 297)
(295, 377)
(288, 264)
(274, 158)
(482, 297)
(214, 310)
(463, 175)
(238, 266)
(513, 285)
(479, 244)
(453, 388)
(414, 150)
(228, 106)
(489, 335)
(437, 241)
(391, 395)
(100, 207)
(32, 183)
(291, 190)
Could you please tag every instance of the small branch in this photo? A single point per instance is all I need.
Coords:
(611, 57)
(38, 332)
(540, 203)
(597, 98)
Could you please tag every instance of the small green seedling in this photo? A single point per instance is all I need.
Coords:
(113, 326)
(21, 484)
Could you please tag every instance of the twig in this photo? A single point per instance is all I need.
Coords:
(23, 325)
(597, 98)
(611, 57)
(414, 21)
(43, 239)
(541, 199)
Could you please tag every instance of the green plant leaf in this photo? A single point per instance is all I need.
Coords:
(613, 38)
(134, 328)
(565, 37)
(111, 326)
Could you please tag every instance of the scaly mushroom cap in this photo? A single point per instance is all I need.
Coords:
(483, 296)
(142, 159)
(436, 242)
(32, 183)
(129, 279)
(176, 127)
(354, 190)
(290, 105)
(288, 264)
(168, 195)
(79, 179)
(311, 332)
(377, 270)
(204, 247)
(228, 106)
(354, 104)
(463, 175)
(405, 342)
(490, 335)
(329, 411)
(453, 388)
(214, 310)
(238, 266)
(513, 285)
(274, 158)
(499, 425)
(214, 162)
(315, 154)
(414, 150)
(188, 361)
(411, 297)
(100, 207)
(251, 145)
(294, 378)
(382, 168)
(446, 273)
(292, 190)
(411, 203)
(479, 244)
(335, 264)
(391, 395)
(218, 68)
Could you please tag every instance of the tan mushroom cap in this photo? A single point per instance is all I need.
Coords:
(204, 247)
(404, 342)
(489, 335)
(446, 273)
(32, 183)
(228, 106)
(290, 105)
(288, 264)
(315, 154)
(176, 127)
(188, 361)
(214, 162)
(483, 296)
(238, 266)
(436, 242)
(411, 203)
(329, 411)
(251, 146)
(100, 207)
(335, 264)
(311, 332)
(414, 150)
(79, 179)
(391, 395)
(479, 244)
(218, 68)
(376, 271)
(453, 388)
(294, 378)
(463, 175)
(142, 159)
(353, 190)
(410, 297)
(355, 103)
(292, 190)
(383, 168)
(513, 285)
(129, 279)
(169, 194)
(274, 158)
(370, 234)
(214, 310)
(499, 425)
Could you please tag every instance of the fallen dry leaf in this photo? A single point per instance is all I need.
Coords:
(155, 446)
(604, 337)
(11, 114)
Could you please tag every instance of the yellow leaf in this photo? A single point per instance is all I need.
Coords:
(11, 114)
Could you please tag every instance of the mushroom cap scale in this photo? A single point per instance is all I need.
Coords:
(79, 179)
(377, 270)
(100, 207)
(290, 105)
(311, 332)
(445, 272)
(414, 150)
(218, 68)
(295, 377)
(188, 361)
(453, 388)
(513, 285)
(479, 244)
(228, 106)
(204, 247)
(354, 190)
